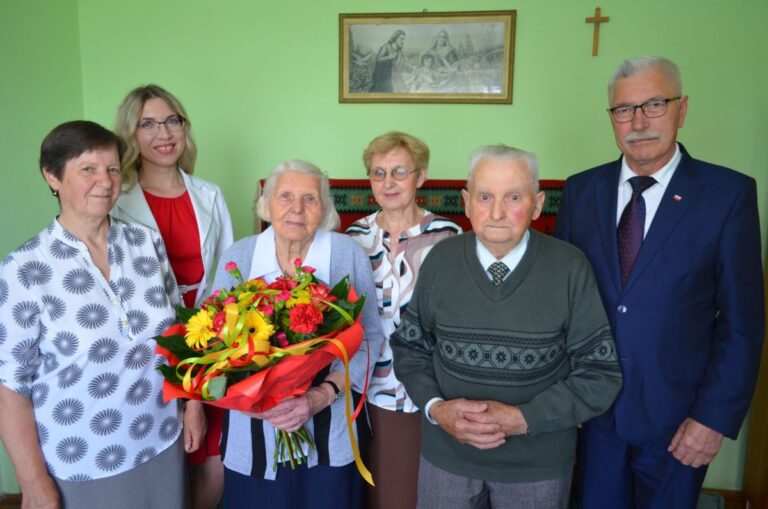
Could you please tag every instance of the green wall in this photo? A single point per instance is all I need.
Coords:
(260, 83)
(40, 86)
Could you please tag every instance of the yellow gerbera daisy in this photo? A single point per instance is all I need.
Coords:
(199, 330)
(301, 297)
(257, 325)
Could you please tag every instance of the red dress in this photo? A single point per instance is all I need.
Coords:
(176, 220)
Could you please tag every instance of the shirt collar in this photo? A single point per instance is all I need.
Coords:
(510, 259)
(63, 235)
(264, 263)
(663, 176)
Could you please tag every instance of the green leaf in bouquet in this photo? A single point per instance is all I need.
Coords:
(356, 307)
(217, 387)
(177, 346)
(184, 314)
(341, 290)
(168, 373)
(334, 320)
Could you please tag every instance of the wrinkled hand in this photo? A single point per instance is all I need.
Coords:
(195, 426)
(509, 418)
(695, 444)
(468, 422)
(292, 413)
(289, 415)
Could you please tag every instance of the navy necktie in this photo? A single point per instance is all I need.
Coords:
(632, 225)
(498, 270)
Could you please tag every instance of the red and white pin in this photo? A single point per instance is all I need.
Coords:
(677, 197)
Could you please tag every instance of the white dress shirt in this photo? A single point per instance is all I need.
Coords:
(652, 195)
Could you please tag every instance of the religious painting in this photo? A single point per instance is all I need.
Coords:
(444, 57)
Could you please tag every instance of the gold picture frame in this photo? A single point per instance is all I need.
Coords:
(440, 57)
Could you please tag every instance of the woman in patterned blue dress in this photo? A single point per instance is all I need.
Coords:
(80, 304)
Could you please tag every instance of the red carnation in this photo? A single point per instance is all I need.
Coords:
(320, 293)
(283, 283)
(305, 318)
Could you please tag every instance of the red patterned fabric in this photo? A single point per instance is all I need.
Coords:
(353, 199)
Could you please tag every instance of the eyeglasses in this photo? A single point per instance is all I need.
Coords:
(398, 173)
(174, 124)
(651, 109)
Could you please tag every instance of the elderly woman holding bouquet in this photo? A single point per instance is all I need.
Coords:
(396, 239)
(297, 202)
(80, 304)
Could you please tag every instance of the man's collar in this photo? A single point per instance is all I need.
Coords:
(510, 259)
(662, 176)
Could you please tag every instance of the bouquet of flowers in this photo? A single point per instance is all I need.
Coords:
(250, 347)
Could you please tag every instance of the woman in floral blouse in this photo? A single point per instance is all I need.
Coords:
(80, 304)
(397, 238)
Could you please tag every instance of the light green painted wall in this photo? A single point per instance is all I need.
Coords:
(40, 86)
(260, 82)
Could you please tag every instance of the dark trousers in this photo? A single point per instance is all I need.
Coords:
(620, 475)
(319, 487)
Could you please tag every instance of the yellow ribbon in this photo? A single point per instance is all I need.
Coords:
(219, 360)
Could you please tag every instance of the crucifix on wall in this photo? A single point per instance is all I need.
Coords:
(596, 20)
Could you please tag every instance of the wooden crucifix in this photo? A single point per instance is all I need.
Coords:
(596, 20)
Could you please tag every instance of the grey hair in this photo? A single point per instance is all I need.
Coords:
(504, 153)
(330, 219)
(633, 66)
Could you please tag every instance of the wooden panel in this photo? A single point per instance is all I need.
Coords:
(756, 466)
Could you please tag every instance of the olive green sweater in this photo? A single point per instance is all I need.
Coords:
(540, 341)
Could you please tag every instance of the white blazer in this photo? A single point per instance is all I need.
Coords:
(213, 222)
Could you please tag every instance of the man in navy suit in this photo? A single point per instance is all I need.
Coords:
(677, 261)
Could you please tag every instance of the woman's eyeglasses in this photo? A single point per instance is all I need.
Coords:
(174, 124)
(399, 173)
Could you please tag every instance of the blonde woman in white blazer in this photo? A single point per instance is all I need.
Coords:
(213, 222)
(192, 217)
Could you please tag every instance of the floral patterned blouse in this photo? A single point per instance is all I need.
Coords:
(81, 348)
(395, 276)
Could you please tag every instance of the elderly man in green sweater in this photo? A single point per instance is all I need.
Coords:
(506, 347)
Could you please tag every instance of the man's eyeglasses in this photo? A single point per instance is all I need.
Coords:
(651, 109)
(399, 173)
(174, 124)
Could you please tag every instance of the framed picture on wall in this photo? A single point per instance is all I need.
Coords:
(441, 57)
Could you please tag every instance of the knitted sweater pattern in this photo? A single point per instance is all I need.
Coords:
(540, 341)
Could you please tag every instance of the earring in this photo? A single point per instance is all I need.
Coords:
(55, 192)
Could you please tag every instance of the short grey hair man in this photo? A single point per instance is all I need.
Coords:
(633, 66)
(504, 153)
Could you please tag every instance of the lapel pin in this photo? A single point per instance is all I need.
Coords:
(677, 197)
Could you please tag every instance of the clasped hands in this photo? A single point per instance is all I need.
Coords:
(481, 424)
(292, 413)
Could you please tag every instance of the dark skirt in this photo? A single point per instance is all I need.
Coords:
(319, 487)
(393, 457)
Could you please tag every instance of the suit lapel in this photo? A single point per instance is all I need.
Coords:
(608, 185)
(668, 215)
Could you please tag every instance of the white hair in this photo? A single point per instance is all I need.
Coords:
(633, 66)
(504, 153)
(330, 219)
